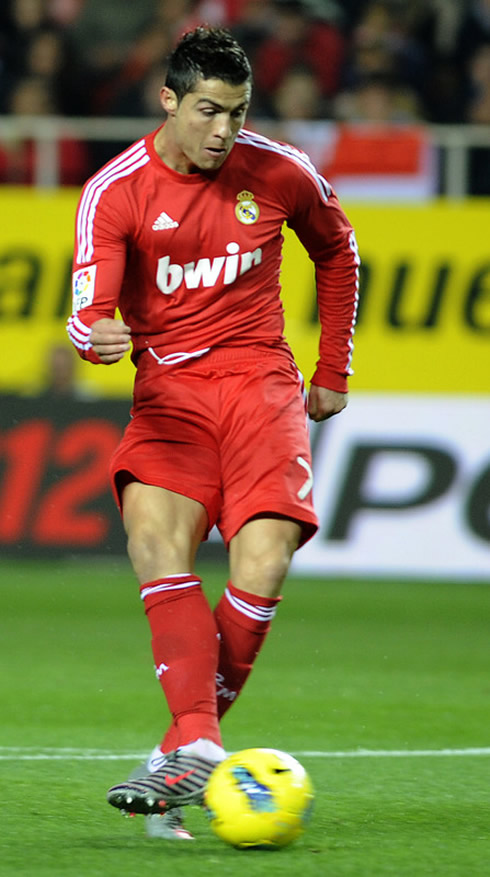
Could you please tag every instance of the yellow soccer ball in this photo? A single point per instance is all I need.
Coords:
(259, 798)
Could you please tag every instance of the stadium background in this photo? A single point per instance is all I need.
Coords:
(376, 671)
(403, 476)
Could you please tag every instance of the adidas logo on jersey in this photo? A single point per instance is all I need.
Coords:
(163, 222)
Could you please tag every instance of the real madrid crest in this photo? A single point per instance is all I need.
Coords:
(247, 210)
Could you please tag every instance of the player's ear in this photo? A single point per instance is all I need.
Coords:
(168, 100)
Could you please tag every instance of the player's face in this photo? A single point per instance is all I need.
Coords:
(201, 129)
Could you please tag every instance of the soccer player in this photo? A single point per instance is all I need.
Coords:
(182, 232)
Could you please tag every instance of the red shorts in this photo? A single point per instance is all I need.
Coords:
(228, 430)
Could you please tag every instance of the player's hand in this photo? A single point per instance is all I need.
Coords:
(110, 339)
(323, 403)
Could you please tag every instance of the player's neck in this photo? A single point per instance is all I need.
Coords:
(170, 154)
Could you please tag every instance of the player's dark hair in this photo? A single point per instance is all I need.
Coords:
(206, 53)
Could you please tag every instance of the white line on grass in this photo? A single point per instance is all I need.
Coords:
(396, 753)
(26, 753)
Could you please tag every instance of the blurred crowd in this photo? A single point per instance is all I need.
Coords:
(346, 60)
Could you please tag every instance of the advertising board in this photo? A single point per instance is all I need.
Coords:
(401, 477)
(402, 489)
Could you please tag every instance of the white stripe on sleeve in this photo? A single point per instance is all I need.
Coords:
(78, 333)
(123, 166)
(288, 151)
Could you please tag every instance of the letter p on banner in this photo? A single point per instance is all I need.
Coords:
(402, 489)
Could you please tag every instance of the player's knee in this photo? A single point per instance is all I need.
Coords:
(263, 572)
(155, 553)
(260, 555)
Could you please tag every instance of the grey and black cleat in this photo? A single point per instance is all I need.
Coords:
(181, 781)
(167, 826)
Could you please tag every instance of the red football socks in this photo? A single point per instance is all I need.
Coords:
(243, 621)
(185, 649)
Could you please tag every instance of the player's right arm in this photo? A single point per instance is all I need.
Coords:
(98, 271)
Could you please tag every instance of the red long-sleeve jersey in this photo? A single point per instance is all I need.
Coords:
(192, 261)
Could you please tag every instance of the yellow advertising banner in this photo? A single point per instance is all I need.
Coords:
(424, 313)
(36, 246)
(424, 316)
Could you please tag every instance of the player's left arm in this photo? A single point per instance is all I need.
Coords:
(324, 230)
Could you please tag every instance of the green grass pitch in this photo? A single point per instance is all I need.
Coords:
(381, 689)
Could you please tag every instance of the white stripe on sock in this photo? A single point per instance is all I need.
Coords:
(258, 613)
(171, 586)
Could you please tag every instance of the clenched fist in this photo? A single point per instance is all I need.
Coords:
(110, 339)
(323, 403)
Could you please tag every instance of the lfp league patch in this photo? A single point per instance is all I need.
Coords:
(83, 287)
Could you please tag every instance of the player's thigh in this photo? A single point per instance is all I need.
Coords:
(164, 530)
(266, 455)
(173, 453)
